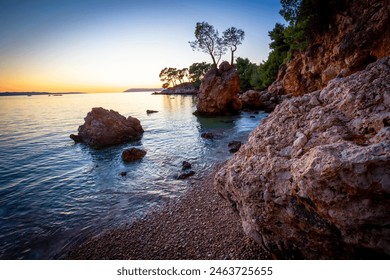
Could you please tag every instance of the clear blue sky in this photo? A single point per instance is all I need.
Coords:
(112, 45)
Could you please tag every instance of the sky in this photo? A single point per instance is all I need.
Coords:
(113, 45)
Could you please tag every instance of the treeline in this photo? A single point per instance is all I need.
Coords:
(306, 19)
(170, 76)
(207, 40)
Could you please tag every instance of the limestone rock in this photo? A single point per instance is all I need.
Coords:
(133, 154)
(103, 128)
(218, 92)
(313, 181)
(263, 100)
(359, 35)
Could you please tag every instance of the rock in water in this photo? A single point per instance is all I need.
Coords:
(103, 128)
(218, 92)
(313, 181)
(186, 165)
(133, 154)
(185, 175)
(234, 146)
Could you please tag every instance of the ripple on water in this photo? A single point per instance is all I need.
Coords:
(54, 193)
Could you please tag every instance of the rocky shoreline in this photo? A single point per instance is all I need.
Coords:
(198, 225)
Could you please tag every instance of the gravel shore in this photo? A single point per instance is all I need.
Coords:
(198, 225)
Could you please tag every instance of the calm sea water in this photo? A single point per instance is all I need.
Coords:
(54, 193)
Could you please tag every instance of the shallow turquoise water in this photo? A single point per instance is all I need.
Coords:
(54, 193)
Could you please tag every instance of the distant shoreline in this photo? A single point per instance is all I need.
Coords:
(142, 89)
(28, 93)
(38, 93)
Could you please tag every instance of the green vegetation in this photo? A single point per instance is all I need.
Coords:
(305, 18)
(172, 76)
(232, 37)
(209, 41)
(197, 72)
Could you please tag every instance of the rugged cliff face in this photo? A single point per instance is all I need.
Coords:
(313, 181)
(360, 35)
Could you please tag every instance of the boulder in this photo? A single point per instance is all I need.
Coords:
(263, 100)
(218, 92)
(132, 154)
(234, 146)
(186, 165)
(103, 128)
(313, 180)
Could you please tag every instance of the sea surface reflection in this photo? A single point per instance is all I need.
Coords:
(54, 193)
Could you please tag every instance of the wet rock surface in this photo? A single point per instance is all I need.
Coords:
(103, 128)
(133, 154)
(313, 181)
(234, 146)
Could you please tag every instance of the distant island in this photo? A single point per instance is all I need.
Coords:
(8, 93)
(142, 89)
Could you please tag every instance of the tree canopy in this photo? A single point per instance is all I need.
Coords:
(232, 37)
(209, 41)
(197, 72)
(172, 76)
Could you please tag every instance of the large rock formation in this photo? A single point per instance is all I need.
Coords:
(218, 92)
(359, 36)
(103, 128)
(313, 181)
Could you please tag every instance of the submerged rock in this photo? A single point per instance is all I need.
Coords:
(234, 146)
(103, 128)
(218, 92)
(133, 154)
(313, 181)
(186, 165)
(207, 135)
(185, 175)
